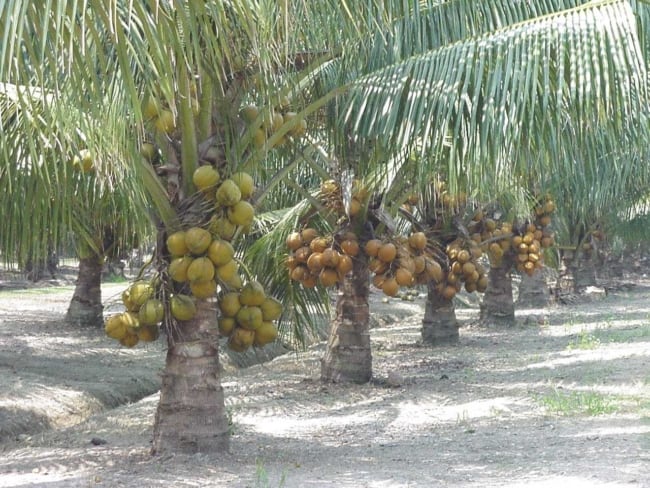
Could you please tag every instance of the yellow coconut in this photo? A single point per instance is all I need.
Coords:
(226, 325)
(241, 213)
(115, 327)
(176, 244)
(130, 339)
(148, 333)
(225, 272)
(148, 151)
(249, 113)
(241, 339)
(178, 268)
(249, 317)
(203, 289)
(265, 334)
(201, 269)
(182, 307)
(140, 292)
(197, 240)
(245, 183)
(228, 193)
(222, 228)
(165, 122)
(151, 312)
(271, 309)
(229, 304)
(220, 252)
(131, 321)
(252, 294)
(205, 177)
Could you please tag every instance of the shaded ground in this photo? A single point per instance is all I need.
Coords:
(561, 400)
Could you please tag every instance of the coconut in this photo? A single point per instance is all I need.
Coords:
(197, 240)
(176, 244)
(241, 213)
(226, 325)
(148, 333)
(249, 317)
(130, 339)
(252, 294)
(271, 309)
(220, 252)
(205, 177)
(229, 304)
(178, 268)
(241, 339)
(390, 287)
(265, 334)
(151, 312)
(182, 307)
(228, 193)
(203, 289)
(201, 269)
(350, 247)
(328, 277)
(245, 183)
(387, 252)
(222, 228)
(294, 241)
(227, 271)
(115, 327)
(165, 122)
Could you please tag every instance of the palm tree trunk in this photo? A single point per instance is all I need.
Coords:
(439, 325)
(582, 270)
(498, 308)
(86, 304)
(191, 415)
(533, 290)
(348, 357)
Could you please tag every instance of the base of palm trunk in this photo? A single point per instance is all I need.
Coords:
(86, 307)
(439, 325)
(191, 415)
(349, 363)
(86, 314)
(348, 358)
(498, 308)
(533, 290)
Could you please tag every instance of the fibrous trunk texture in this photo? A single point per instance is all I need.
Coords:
(498, 308)
(439, 325)
(191, 415)
(533, 290)
(348, 357)
(583, 271)
(86, 304)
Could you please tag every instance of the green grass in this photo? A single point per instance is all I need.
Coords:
(577, 403)
(625, 335)
(262, 477)
(50, 290)
(584, 340)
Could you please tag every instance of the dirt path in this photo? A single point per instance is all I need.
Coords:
(561, 400)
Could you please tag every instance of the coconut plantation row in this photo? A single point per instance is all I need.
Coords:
(283, 159)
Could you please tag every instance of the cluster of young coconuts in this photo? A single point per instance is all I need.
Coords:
(202, 265)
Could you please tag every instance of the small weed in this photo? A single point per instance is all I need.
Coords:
(589, 403)
(584, 340)
(262, 477)
(462, 420)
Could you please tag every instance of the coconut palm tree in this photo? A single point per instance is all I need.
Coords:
(175, 82)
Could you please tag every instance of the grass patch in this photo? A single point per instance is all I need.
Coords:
(584, 340)
(577, 403)
(626, 335)
(50, 290)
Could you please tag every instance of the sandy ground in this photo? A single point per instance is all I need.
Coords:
(561, 400)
